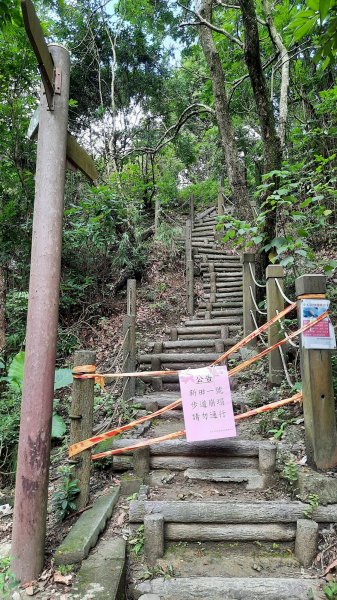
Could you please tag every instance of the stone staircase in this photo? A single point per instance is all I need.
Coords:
(216, 524)
(218, 317)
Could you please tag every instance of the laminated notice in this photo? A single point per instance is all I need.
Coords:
(207, 404)
(321, 336)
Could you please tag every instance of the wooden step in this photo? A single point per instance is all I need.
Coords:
(223, 265)
(172, 345)
(213, 313)
(230, 588)
(213, 322)
(204, 331)
(188, 357)
(223, 285)
(224, 304)
(219, 296)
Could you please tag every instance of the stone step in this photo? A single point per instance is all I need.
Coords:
(230, 588)
(252, 477)
(229, 533)
(223, 447)
(180, 463)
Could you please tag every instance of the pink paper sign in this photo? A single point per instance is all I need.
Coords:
(207, 404)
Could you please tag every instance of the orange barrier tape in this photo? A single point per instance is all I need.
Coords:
(176, 434)
(79, 372)
(88, 443)
(249, 361)
(85, 370)
(85, 444)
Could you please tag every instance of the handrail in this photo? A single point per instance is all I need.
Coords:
(261, 312)
(261, 285)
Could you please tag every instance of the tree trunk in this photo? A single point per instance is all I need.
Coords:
(235, 168)
(264, 107)
(2, 309)
(271, 142)
(285, 66)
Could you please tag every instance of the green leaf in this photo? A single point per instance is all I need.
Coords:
(58, 427)
(16, 370)
(287, 261)
(324, 6)
(63, 377)
(327, 212)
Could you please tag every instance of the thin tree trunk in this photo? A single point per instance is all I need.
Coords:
(285, 67)
(235, 168)
(2, 309)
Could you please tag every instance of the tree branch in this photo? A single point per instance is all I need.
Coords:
(236, 7)
(166, 138)
(202, 21)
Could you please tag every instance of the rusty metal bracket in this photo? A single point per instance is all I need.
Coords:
(57, 81)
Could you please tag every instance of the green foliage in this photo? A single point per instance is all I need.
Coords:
(7, 579)
(137, 542)
(64, 498)
(166, 572)
(330, 590)
(10, 403)
(313, 501)
(290, 474)
(301, 208)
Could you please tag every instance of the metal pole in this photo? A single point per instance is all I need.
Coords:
(31, 493)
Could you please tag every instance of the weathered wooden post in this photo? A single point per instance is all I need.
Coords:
(54, 145)
(249, 289)
(275, 302)
(189, 266)
(317, 388)
(221, 207)
(81, 424)
(191, 205)
(129, 335)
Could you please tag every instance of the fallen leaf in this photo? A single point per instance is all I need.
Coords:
(64, 579)
(120, 519)
(30, 590)
(330, 567)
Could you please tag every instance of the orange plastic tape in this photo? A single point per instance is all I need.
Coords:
(82, 375)
(85, 444)
(176, 434)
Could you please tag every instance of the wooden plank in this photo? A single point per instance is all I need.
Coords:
(77, 157)
(40, 47)
(230, 512)
(220, 533)
(81, 159)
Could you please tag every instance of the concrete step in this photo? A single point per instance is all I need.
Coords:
(230, 588)
(252, 477)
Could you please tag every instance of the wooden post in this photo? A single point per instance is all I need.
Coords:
(221, 208)
(191, 200)
(275, 303)
(81, 423)
(157, 382)
(131, 291)
(190, 287)
(189, 270)
(156, 215)
(248, 305)
(317, 387)
(188, 240)
(129, 336)
(2, 309)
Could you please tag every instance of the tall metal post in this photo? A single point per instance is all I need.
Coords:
(317, 386)
(31, 490)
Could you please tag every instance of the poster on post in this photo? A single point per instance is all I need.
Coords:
(321, 336)
(207, 404)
